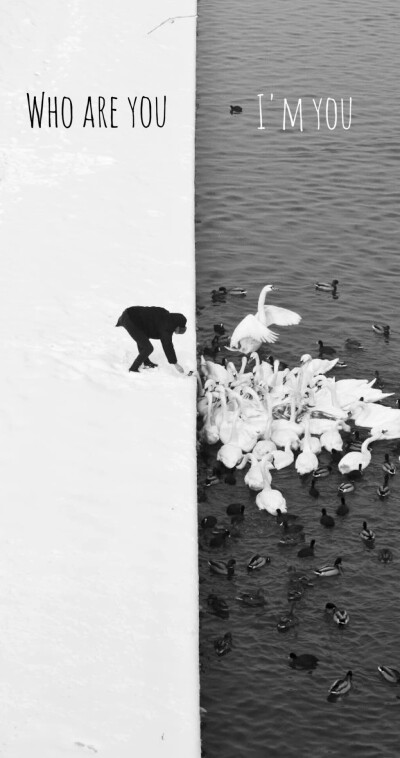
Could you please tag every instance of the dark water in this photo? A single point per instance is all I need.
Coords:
(291, 208)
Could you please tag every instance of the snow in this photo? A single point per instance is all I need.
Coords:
(98, 558)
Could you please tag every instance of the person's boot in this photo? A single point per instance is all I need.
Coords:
(149, 364)
(136, 365)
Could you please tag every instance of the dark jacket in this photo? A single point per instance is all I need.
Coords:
(157, 324)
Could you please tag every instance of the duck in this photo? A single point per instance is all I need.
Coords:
(325, 349)
(322, 471)
(223, 645)
(342, 509)
(353, 344)
(287, 621)
(303, 661)
(223, 291)
(330, 570)
(383, 489)
(253, 599)
(219, 539)
(313, 490)
(367, 535)
(307, 552)
(257, 561)
(325, 287)
(341, 364)
(326, 520)
(289, 540)
(383, 329)
(208, 522)
(339, 616)
(235, 509)
(385, 555)
(218, 295)
(345, 488)
(282, 518)
(388, 467)
(218, 605)
(291, 528)
(254, 330)
(236, 109)
(379, 385)
(224, 568)
(341, 686)
(390, 674)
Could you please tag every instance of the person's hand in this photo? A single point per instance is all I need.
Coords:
(179, 368)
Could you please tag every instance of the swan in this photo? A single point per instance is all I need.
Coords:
(254, 477)
(262, 448)
(282, 458)
(268, 499)
(210, 431)
(253, 331)
(353, 461)
(331, 439)
(230, 455)
(306, 461)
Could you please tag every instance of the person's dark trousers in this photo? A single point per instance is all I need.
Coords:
(144, 345)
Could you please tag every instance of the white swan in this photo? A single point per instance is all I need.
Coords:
(210, 431)
(253, 331)
(352, 461)
(254, 477)
(268, 499)
(282, 458)
(306, 461)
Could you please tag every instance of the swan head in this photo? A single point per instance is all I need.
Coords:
(305, 358)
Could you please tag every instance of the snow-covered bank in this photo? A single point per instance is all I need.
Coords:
(98, 558)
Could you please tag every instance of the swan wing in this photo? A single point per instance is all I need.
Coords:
(280, 316)
(251, 327)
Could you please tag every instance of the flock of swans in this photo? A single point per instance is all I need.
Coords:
(265, 418)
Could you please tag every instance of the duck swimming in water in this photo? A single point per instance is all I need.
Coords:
(236, 109)
(342, 509)
(304, 661)
(383, 489)
(341, 686)
(383, 329)
(218, 605)
(224, 568)
(223, 291)
(322, 471)
(325, 287)
(218, 540)
(367, 535)
(385, 555)
(223, 645)
(253, 599)
(345, 487)
(353, 344)
(313, 490)
(326, 520)
(390, 674)
(307, 552)
(253, 331)
(287, 621)
(339, 616)
(325, 349)
(330, 570)
(256, 562)
(388, 467)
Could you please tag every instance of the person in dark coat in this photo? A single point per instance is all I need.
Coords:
(146, 323)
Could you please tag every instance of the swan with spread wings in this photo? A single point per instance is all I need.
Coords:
(253, 331)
